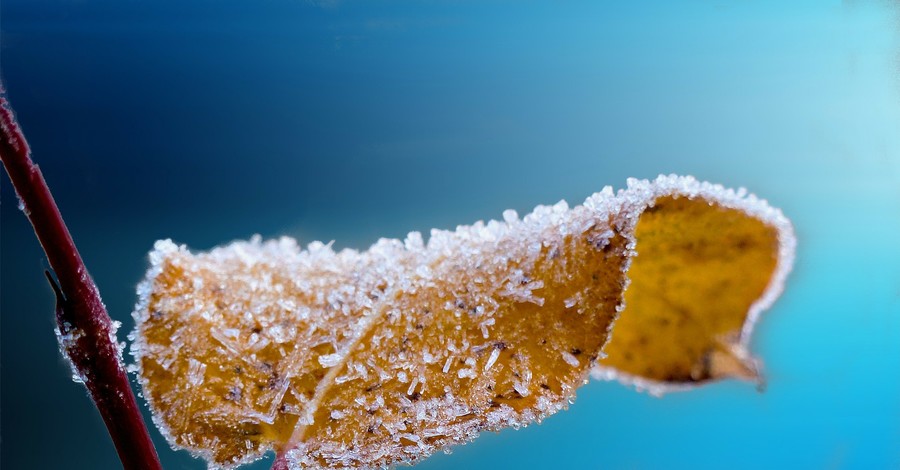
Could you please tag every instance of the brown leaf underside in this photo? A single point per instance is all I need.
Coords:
(398, 372)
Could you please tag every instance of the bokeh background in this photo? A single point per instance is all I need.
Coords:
(212, 120)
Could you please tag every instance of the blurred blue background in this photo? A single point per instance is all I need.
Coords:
(211, 120)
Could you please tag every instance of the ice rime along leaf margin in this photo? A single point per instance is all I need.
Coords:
(366, 359)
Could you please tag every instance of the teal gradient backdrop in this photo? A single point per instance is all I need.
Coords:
(207, 121)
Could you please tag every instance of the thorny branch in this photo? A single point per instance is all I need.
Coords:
(87, 334)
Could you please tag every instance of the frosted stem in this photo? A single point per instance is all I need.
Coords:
(80, 314)
(281, 462)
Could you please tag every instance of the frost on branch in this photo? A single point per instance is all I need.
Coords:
(366, 359)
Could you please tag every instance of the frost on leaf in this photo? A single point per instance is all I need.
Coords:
(366, 359)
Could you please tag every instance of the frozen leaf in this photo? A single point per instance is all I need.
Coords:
(698, 271)
(366, 359)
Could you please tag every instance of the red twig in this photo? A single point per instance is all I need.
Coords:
(280, 462)
(87, 335)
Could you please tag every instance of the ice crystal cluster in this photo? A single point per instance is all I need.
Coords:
(373, 358)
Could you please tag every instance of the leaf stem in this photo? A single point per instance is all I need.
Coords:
(280, 462)
(87, 333)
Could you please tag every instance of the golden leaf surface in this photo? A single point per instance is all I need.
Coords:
(367, 359)
(698, 270)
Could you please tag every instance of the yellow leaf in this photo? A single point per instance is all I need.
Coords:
(699, 270)
(366, 359)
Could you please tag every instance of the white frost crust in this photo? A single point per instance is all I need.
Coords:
(162, 249)
(413, 255)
